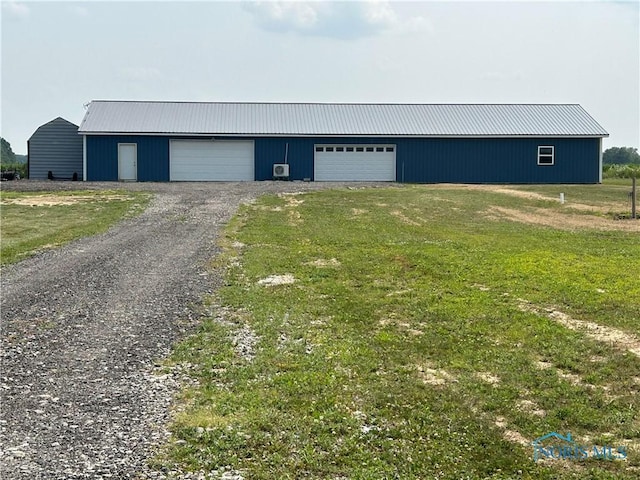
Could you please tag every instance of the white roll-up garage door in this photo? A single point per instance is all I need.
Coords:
(207, 160)
(355, 163)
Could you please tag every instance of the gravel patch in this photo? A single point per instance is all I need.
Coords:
(244, 341)
(84, 328)
(271, 280)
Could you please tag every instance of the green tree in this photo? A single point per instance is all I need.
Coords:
(621, 156)
(6, 154)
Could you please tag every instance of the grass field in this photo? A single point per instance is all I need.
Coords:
(32, 222)
(418, 332)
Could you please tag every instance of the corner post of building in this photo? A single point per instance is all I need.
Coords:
(600, 159)
(84, 158)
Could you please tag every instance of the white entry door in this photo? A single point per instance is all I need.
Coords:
(127, 162)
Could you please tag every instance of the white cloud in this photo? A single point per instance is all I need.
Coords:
(295, 14)
(343, 20)
(16, 9)
(379, 13)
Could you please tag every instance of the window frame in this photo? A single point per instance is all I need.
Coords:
(355, 148)
(546, 159)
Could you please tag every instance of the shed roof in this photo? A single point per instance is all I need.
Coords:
(56, 122)
(338, 119)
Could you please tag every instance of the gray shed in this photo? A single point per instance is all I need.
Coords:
(55, 147)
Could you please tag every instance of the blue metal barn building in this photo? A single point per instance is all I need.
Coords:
(415, 143)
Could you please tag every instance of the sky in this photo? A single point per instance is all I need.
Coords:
(58, 56)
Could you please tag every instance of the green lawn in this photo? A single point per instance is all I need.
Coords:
(419, 339)
(31, 222)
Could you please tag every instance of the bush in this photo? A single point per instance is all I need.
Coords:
(620, 171)
(19, 168)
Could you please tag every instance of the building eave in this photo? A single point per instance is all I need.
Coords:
(332, 135)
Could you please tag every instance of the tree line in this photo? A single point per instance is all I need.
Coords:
(621, 156)
(621, 162)
(9, 161)
(6, 153)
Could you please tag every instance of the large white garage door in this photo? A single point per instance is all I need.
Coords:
(206, 160)
(355, 163)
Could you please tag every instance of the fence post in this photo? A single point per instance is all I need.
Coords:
(633, 196)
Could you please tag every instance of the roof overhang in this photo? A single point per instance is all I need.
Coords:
(298, 135)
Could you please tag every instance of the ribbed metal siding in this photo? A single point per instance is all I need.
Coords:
(272, 150)
(153, 157)
(435, 160)
(451, 160)
(497, 160)
(300, 158)
(56, 147)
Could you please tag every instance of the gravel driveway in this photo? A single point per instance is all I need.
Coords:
(83, 327)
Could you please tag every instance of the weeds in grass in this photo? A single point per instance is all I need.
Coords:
(408, 354)
(32, 222)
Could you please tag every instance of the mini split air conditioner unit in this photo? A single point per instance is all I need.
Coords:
(280, 171)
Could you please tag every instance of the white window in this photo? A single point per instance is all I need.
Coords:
(346, 148)
(546, 155)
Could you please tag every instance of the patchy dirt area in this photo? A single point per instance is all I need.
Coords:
(488, 377)
(323, 263)
(404, 218)
(84, 328)
(434, 376)
(36, 200)
(511, 435)
(531, 407)
(571, 216)
(272, 280)
(570, 205)
(609, 335)
(561, 221)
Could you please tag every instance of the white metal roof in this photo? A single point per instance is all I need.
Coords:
(338, 119)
